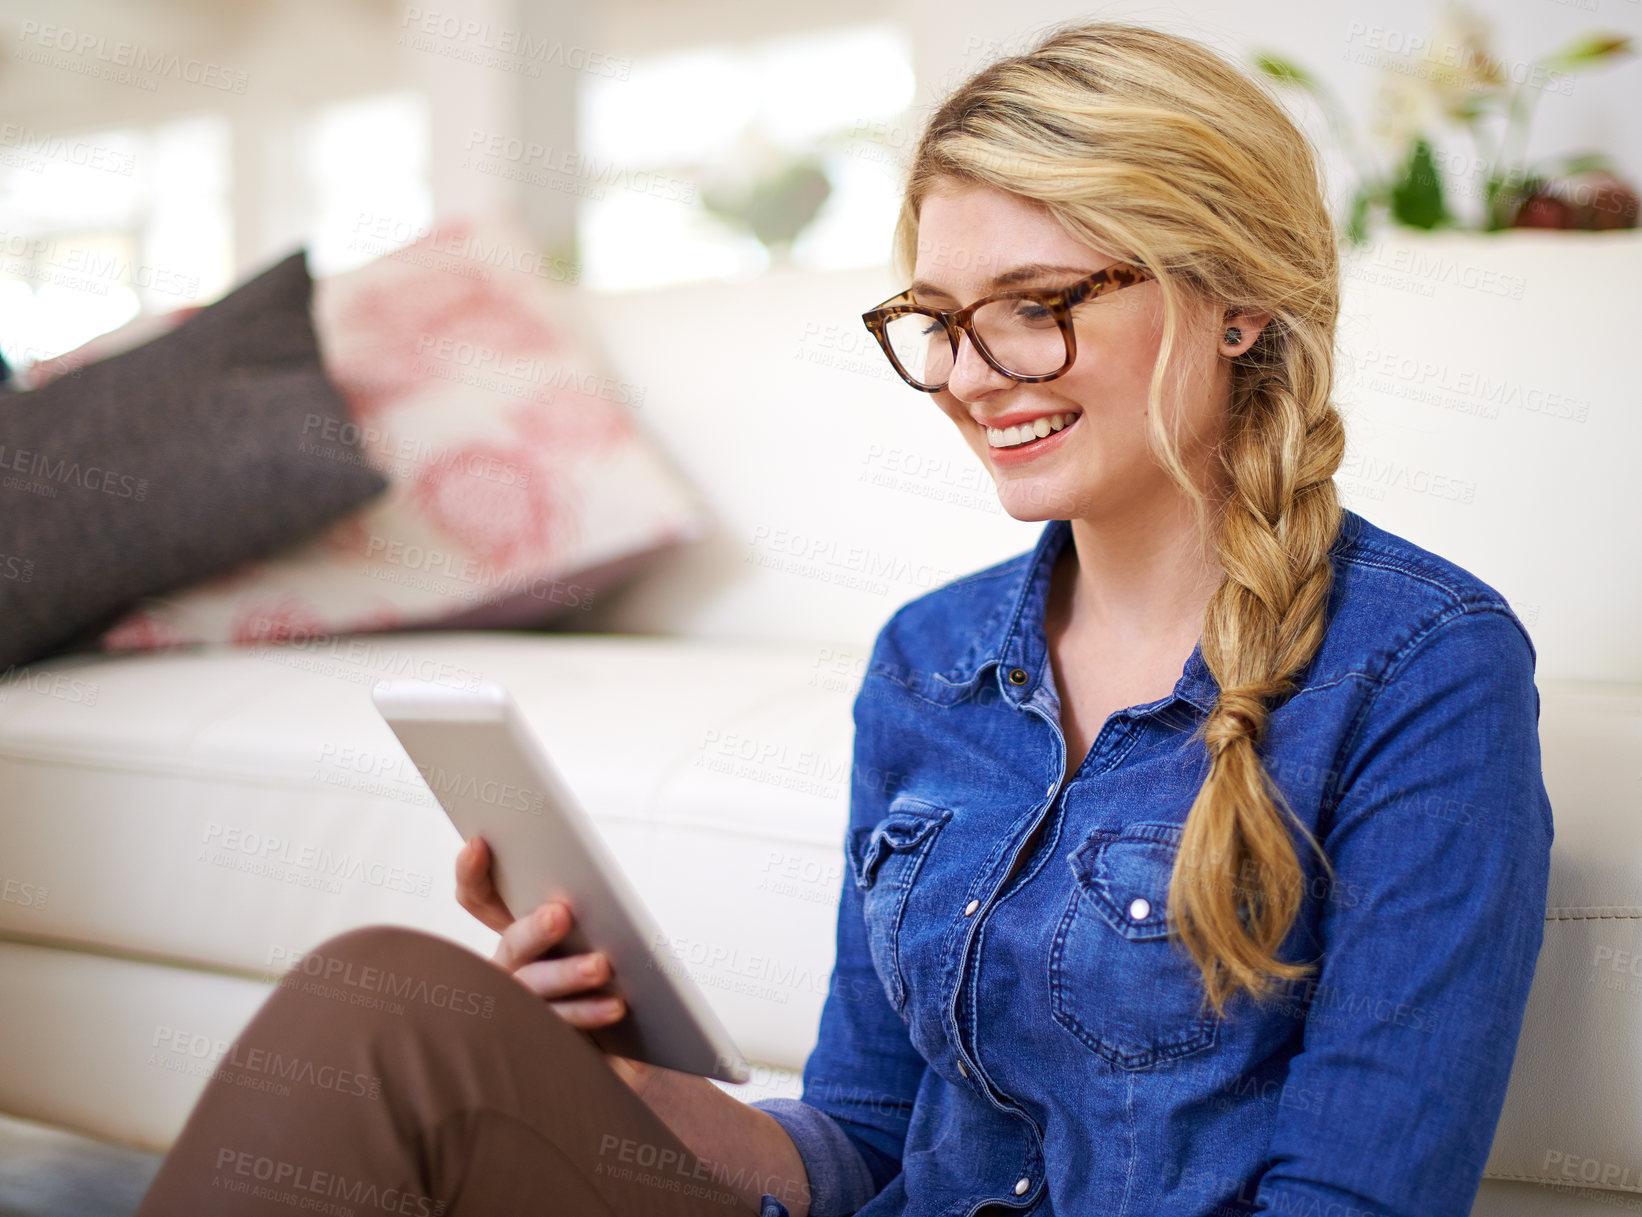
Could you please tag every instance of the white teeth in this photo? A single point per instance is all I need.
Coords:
(1022, 433)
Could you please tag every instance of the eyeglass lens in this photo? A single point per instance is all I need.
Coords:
(1020, 334)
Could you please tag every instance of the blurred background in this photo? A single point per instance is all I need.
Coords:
(587, 284)
(152, 152)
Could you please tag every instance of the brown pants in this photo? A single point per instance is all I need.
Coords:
(396, 1072)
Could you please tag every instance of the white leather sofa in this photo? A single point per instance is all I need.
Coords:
(177, 828)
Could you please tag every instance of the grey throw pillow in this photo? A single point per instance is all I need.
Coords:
(216, 443)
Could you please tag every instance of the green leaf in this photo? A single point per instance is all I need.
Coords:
(1283, 71)
(1500, 202)
(1416, 196)
(1473, 106)
(1357, 221)
(1589, 50)
(1584, 162)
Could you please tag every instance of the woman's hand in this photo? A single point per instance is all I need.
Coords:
(576, 986)
(713, 1124)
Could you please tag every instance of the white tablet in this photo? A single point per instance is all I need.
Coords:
(494, 780)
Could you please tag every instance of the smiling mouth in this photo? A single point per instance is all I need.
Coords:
(1023, 434)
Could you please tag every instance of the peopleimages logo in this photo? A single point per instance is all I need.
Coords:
(307, 864)
(48, 684)
(465, 577)
(826, 559)
(550, 373)
(28, 895)
(415, 455)
(379, 233)
(71, 473)
(121, 54)
(297, 1184)
(19, 569)
(66, 151)
(455, 784)
(499, 149)
(507, 41)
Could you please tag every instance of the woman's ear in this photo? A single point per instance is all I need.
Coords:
(1238, 332)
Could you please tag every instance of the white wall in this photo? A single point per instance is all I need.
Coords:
(296, 54)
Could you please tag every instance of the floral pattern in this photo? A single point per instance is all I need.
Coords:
(511, 452)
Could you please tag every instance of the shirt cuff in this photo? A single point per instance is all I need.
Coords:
(840, 1182)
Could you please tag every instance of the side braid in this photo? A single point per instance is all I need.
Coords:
(1237, 883)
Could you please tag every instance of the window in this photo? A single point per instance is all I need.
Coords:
(364, 160)
(100, 226)
(712, 162)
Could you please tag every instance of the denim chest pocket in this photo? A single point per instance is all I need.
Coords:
(885, 860)
(1116, 980)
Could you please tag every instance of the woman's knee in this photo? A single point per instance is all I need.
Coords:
(389, 974)
(395, 963)
(371, 943)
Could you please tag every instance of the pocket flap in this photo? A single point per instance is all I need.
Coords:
(905, 826)
(1127, 872)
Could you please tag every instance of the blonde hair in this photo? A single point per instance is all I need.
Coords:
(1154, 148)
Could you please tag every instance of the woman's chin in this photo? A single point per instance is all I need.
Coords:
(1033, 501)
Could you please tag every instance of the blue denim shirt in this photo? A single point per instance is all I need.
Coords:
(1035, 1041)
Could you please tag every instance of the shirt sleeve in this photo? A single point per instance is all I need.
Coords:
(850, 1124)
(1440, 838)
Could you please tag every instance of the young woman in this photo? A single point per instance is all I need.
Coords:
(1211, 875)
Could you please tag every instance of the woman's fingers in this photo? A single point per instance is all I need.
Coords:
(589, 1013)
(567, 977)
(570, 983)
(529, 937)
(474, 890)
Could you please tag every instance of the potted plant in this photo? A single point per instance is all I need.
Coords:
(1458, 82)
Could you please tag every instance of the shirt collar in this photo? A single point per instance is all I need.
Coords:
(1022, 650)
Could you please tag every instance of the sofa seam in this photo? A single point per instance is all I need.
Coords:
(1561, 1182)
(128, 955)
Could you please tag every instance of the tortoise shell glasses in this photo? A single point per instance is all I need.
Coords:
(1025, 335)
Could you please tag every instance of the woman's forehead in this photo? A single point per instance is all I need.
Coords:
(974, 239)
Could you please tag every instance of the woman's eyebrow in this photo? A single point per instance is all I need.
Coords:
(1020, 274)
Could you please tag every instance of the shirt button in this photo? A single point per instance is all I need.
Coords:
(1139, 909)
(1018, 676)
(1021, 1186)
(962, 1072)
(969, 909)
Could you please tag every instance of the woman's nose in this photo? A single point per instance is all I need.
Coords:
(971, 375)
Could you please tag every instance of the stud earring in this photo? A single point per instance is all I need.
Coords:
(1233, 335)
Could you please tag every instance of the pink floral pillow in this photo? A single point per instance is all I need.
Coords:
(522, 484)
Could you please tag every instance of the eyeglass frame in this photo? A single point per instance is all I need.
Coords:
(957, 322)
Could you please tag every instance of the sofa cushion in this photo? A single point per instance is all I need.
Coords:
(525, 484)
(231, 808)
(168, 463)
